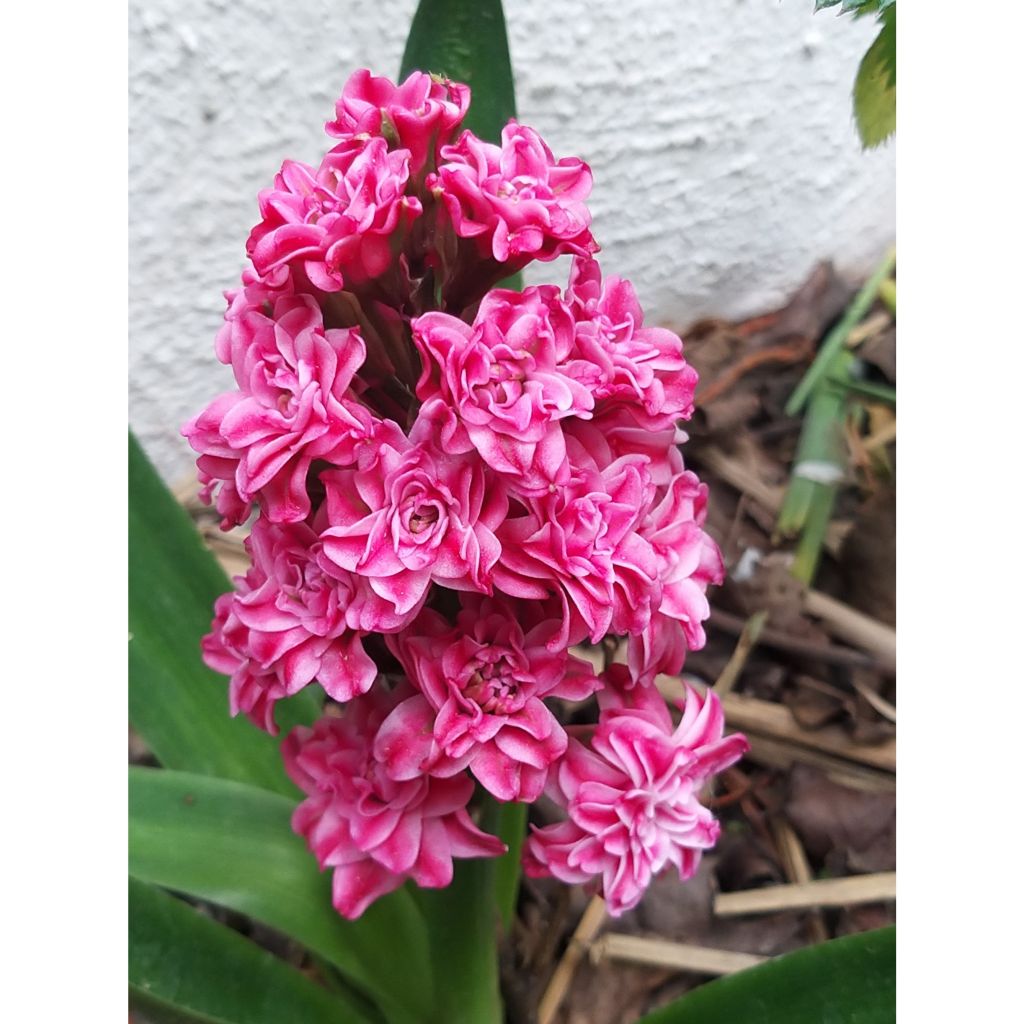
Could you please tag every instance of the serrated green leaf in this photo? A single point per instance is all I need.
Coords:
(183, 966)
(466, 42)
(177, 704)
(232, 844)
(874, 92)
(846, 981)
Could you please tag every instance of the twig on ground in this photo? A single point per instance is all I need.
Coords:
(872, 326)
(778, 754)
(586, 931)
(776, 722)
(853, 626)
(738, 475)
(831, 654)
(829, 892)
(796, 868)
(791, 352)
(879, 703)
(675, 955)
(738, 659)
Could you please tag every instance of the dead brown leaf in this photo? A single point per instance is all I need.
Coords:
(843, 830)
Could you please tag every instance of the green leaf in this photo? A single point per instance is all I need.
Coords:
(466, 42)
(232, 844)
(177, 704)
(184, 966)
(511, 830)
(859, 8)
(846, 981)
(874, 92)
(463, 924)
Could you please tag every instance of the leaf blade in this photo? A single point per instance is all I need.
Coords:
(846, 981)
(175, 702)
(468, 43)
(232, 844)
(183, 963)
(874, 91)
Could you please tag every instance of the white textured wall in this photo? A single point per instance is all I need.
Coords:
(719, 132)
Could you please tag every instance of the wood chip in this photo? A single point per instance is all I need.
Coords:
(674, 955)
(829, 892)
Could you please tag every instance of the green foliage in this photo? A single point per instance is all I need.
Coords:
(468, 43)
(874, 90)
(177, 704)
(233, 844)
(846, 981)
(183, 966)
(858, 8)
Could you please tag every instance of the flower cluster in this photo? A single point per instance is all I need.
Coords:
(450, 487)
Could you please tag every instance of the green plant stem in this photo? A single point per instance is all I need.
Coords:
(511, 828)
(820, 447)
(812, 538)
(836, 338)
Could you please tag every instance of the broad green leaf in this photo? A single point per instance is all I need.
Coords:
(874, 92)
(177, 704)
(184, 966)
(232, 844)
(846, 981)
(466, 42)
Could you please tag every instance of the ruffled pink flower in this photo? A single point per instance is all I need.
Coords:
(515, 199)
(419, 115)
(419, 516)
(688, 562)
(633, 796)
(612, 433)
(341, 222)
(580, 543)
(373, 830)
(292, 407)
(619, 359)
(285, 626)
(497, 386)
(480, 703)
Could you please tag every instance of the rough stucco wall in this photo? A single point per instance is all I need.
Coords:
(719, 132)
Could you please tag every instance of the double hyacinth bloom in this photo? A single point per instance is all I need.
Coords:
(632, 796)
(448, 486)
